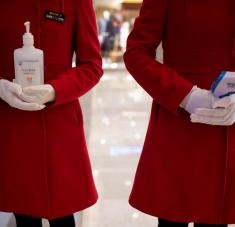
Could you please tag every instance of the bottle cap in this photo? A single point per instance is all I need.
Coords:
(28, 39)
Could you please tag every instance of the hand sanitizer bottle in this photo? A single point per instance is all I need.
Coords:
(29, 68)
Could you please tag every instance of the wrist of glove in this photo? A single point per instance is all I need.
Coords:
(40, 94)
(198, 98)
(11, 92)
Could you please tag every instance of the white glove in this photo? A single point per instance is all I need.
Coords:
(10, 93)
(40, 94)
(198, 98)
(222, 113)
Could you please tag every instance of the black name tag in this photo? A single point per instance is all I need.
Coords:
(51, 15)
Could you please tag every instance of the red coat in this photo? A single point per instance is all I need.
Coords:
(44, 164)
(187, 170)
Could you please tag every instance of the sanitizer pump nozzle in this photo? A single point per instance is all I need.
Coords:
(28, 39)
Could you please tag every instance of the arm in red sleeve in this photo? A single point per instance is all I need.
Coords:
(77, 81)
(162, 83)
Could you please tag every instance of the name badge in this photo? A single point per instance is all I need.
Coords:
(52, 15)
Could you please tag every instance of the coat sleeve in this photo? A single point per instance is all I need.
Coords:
(161, 82)
(77, 81)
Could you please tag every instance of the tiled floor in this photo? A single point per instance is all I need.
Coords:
(120, 115)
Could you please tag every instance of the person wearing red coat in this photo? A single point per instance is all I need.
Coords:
(186, 172)
(45, 170)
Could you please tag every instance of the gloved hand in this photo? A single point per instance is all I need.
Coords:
(222, 113)
(198, 98)
(224, 84)
(40, 94)
(10, 93)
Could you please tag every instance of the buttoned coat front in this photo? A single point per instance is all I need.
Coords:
(186, 171)
(44, 165)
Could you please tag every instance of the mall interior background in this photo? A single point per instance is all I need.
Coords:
(116, 116)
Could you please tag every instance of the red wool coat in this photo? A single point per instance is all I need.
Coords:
(187, 170)
(44, 164)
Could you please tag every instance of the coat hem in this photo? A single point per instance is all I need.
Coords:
(193, 219)
(56, 214)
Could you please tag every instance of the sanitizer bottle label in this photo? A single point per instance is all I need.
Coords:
(28, 73)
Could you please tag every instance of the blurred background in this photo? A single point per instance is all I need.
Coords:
(116, 114)
(115, 19)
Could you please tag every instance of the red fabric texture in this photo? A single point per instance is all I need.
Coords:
(186, 171)
(44, 166)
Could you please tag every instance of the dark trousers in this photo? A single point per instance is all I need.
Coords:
(166, 223)
(26, 221)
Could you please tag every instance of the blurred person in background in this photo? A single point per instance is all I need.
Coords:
(186, 171)
(102, 26)
(103, 21)
(111, 41)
